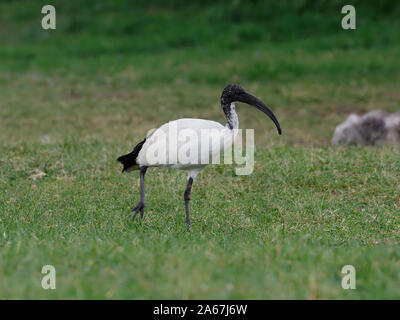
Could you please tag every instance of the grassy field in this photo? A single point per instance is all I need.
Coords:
(73, 99)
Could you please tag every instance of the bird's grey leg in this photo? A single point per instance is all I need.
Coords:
(187, 199)
(140, 207)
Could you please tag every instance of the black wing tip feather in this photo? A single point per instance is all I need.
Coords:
(129, 160)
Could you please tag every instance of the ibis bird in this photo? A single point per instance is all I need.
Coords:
(161, 148)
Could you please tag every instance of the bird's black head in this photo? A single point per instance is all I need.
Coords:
(235, 93)
(231, 93)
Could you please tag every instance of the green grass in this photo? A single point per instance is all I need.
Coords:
(74, 99)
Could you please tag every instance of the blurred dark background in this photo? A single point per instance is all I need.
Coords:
(123, 28)
(120, 57)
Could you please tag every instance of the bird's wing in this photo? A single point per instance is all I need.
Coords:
(183, 141)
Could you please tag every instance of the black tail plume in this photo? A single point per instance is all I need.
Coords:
(129, 160)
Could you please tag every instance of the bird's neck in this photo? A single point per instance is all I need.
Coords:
(232, 120)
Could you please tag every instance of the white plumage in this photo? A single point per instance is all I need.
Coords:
(185, 144)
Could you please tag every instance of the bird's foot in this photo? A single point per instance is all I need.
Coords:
(137, 209)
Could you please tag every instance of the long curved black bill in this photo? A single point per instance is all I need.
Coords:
(252, 100)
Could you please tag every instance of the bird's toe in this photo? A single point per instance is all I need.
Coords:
(138, 209)
(134, 215)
